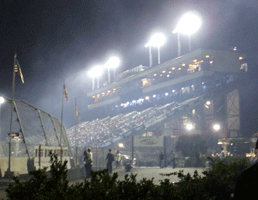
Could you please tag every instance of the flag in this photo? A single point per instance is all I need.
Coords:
(65, 93)
(17, 68)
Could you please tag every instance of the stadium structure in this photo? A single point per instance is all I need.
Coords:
(34, 134)
(145, 109)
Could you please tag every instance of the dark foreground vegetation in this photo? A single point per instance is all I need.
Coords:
(217, 183)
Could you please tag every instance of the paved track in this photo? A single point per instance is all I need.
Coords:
(154, 172)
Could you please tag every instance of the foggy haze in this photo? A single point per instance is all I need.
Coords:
(57, 40)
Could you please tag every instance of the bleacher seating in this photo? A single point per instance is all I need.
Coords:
(101, 130)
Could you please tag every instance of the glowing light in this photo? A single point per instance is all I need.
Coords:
(164, 72)
(166, 94)
(113, 62)
(208, 103)
(179, 68)
(156, 40)
(216, 127)
(2, 100)
(183, 64)
(147, 98)
(189, 23)
(173, 91)
(121, 145)
(155, 75)
(95, 71)
(241, 58)
(173, 68)
(207, 56)
(189, 127)
(154, 96)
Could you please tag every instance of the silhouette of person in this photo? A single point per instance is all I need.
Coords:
(109, 159)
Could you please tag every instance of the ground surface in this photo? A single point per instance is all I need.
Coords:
(152, 172)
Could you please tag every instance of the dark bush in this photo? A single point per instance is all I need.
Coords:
(217, 183)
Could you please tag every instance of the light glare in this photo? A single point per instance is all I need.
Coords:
(156, 40)
(188, 24)
(113, 62)
(2, 100)
(216, 127)
(189, 127)
(95, 71)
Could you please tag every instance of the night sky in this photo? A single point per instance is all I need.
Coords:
(57, 40)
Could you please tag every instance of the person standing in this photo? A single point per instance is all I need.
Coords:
(222, 154)
(161, 159)
(118, 159)
(88, 162)
(109, 160)
(173, 159)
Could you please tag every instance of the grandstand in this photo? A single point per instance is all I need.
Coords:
(31, 127)
(161, 100)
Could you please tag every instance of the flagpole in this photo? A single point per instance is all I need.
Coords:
(11, 123)
(76, 136)
(62, 113)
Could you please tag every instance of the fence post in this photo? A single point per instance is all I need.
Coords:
(39, 156)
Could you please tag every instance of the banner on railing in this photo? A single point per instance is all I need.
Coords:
(116, 139)
(140, 141)
(105, 144)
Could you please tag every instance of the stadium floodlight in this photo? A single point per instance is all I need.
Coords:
(113, 62)
(189, 127)
(188, 24)
(95, 72)
(216, 127)
(157, 40)
(2, 100)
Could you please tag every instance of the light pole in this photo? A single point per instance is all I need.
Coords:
(95, 72)
(188, 24)
(150, 55)
(113, 62)
(2, 100)
(157, 40)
